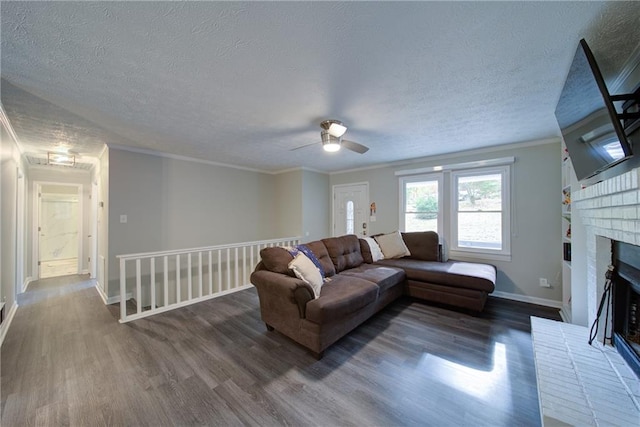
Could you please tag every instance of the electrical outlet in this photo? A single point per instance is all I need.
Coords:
(123, 219)
(544, 283)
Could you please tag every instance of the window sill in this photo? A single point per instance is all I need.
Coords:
(478, 256)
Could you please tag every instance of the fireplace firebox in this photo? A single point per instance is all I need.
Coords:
(626, 303)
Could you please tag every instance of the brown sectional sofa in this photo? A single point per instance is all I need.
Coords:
(358, 288)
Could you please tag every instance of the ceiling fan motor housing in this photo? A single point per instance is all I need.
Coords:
(329, 142)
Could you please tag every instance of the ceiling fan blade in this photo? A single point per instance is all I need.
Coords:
(354, 146)
(305, 146)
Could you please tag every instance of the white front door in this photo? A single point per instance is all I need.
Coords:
(350, 209)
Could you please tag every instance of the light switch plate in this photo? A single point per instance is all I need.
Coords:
(123, 219)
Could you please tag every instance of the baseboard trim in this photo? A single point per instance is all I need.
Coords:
(103, 296)
(527, 299)
(26, 283)
(85, 271)
(110, 300)
(116, 298)
(4, 328)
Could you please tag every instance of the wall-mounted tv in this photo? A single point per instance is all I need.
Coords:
(590, 125)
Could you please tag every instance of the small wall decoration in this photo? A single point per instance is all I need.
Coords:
(372, 209)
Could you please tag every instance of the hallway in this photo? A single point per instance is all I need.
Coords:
(53, 351)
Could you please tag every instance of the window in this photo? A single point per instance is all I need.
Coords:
(421, 203)
(481, 216)
(350, 218)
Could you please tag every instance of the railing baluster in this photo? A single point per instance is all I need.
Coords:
(210, 275)
(152, 270)
(138, 287)
(166, 280)
(244, 265)
(177, 278)
(219, 270)
(228, 284)
(189, 281)
(252, 260)
(200, 274)
(123, 289)
(235, 267)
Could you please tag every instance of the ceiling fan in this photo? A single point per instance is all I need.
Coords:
(331, 138)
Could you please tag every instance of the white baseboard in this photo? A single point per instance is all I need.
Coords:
(530, 300)
(85, 271)
(4, 328)
(26, 283)
(110, 300)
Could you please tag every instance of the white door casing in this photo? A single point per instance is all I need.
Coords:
(53, 238)
(350, 209)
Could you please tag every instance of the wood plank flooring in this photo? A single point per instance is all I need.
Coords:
(67, 361)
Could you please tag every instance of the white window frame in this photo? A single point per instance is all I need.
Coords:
(503, 254)
(421, 178)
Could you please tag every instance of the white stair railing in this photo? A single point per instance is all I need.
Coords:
(166, 280)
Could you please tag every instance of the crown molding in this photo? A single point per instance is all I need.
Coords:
(449, 156)
(301, 168)
(628, 69)
(184, 158)
(4, 119)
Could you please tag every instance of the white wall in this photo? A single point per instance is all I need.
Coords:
(536, 234)
(11, 171)
(101, 177)
(174, 204)
(316, 206)
(288, 203)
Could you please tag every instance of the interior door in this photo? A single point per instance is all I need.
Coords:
(350, 208)
(58, 231)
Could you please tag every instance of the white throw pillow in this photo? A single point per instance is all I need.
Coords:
(376, 253)
(392, 245)
(305, 270)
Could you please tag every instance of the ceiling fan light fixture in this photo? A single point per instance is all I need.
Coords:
(329, 143)
(337, 129)
(60, 159)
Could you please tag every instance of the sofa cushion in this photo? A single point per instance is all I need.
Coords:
(340, 297)
(374, 249)
(423, 245)
(392, 245)
(277, 259)
(306, 270)
(365, 251)
(344, 251)
(457, 274)
(384, 277)
(320, 251)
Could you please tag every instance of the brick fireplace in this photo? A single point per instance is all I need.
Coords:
(609, 210)
(578, 383)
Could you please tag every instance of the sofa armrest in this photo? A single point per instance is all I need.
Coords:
(279, 292)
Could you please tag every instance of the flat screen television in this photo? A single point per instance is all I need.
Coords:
(590, 125)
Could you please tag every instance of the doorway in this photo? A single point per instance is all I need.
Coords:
(350, 209)
(59, 229)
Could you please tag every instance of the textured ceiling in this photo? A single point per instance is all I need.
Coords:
(244, 83)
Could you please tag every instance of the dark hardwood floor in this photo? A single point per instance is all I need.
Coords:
(66, 360)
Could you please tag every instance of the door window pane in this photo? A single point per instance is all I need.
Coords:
(350, 218)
